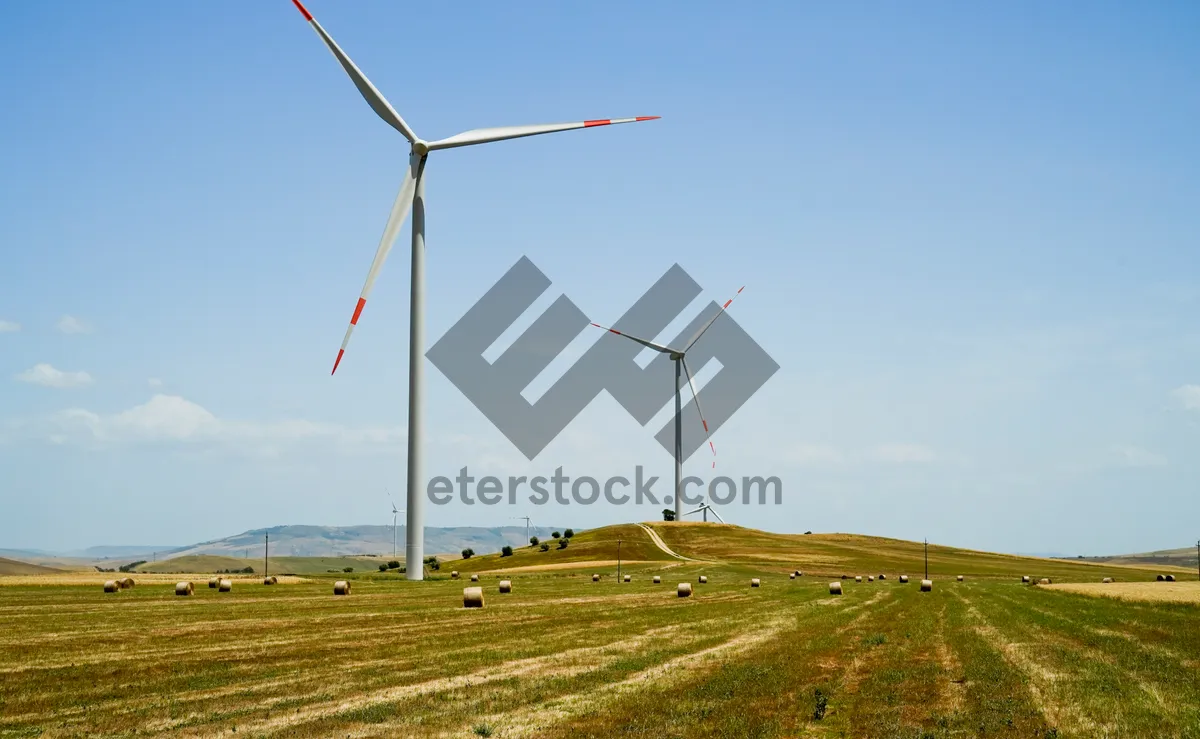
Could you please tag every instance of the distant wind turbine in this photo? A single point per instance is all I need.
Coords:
(679, 356)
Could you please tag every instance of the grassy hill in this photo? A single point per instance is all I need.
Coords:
(833, 555)
(586, 546)
(1184, 557)
(14, 567)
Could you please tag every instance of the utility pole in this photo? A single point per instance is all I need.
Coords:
(1198, 558)
(619, 559)
(926, 559)
(266, 554)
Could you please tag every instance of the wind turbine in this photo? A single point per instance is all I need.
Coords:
(412, 195)
(395, 512)
(679, 356)
(526, 520)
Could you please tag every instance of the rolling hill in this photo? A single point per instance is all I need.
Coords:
(14, 567)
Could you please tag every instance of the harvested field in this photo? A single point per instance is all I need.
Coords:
(1161, 592)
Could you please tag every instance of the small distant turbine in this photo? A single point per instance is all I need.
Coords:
(395, 512)
(679, 356)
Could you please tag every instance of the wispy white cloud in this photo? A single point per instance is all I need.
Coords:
(1132, 456)
(1188, 396)
(814, 455)
(9, 327)
(48, 376)
(72, 325)
(173, 419)
(903, 453)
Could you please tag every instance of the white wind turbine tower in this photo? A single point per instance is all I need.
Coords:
(412, 195)
(679, 356)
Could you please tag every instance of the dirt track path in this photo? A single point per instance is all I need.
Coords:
(658, 542)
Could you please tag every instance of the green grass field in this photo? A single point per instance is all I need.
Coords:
(563, 656)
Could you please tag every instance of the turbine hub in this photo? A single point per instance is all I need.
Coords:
(420, 147)
(676, 356)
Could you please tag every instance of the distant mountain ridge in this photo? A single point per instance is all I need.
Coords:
(306, 541)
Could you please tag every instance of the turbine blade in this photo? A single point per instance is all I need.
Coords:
(404, 200)
(643, 342)
(696, 397)
(713, 320)
(369, 92)
(718, 515)
(488, 135)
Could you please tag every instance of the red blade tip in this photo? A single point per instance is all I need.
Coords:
(303, 10)
(648, 118)
(338, 360)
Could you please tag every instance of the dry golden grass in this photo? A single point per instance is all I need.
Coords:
(566, 566)
(1153, 592)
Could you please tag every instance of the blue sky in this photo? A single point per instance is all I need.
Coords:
(969, 236)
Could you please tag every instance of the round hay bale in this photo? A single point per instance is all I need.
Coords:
(870, 578)
(1160, 578)
(125, 583)
(858, 578)
(883, 577)
(684, 590)
(595, 578)
(474, 578)
(1026, 578)
(904, 578)
(112, 586)
(506, 586)
(799, 573)
(1107, 580)
(835, 587)
(454, 575)
(214, 582)
(703, 579)
(341, 587)
(926, 586)
(628, 578)
(1170, 578)
(960, 578)
(184, 588)
(845, 577)
(472, 597)
(792, 576)
(754, 582)
(657, 580)
(272, 580)
(225, 586)
(1044, 581)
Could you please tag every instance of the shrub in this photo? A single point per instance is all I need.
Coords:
(555, 534)
(668, 514)
(533, 541)
(383, 568)
(347, 569)
(568, 533)
(131, 566)
(468, 553)
(545, 547)
(393, 565)
(562, 543)
(820, 701)
(482, 729)
(506, 552)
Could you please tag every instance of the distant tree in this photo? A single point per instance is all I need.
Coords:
(533, 541)
(393, 565)
(468, 553)
(131, 566)
(807, 532)
(383, 568)
(248, 570)
(545, 547)
(562, 543)
(668, 514)
(347, 569)
(556, 534)
(506, 552)
(568, 533)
